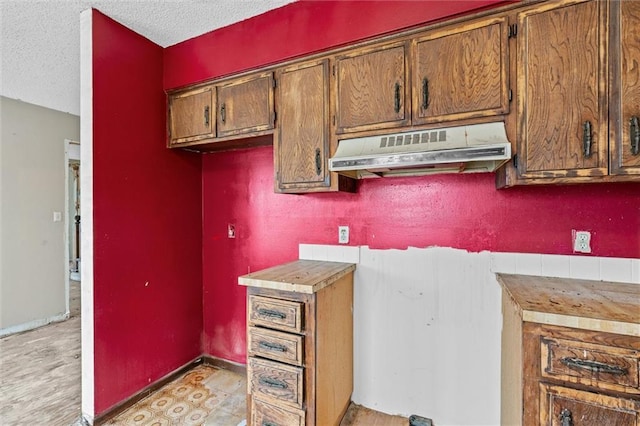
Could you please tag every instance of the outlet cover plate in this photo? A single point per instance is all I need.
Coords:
(343, 234)
(581, 241)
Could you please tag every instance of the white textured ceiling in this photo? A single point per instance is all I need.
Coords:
(40, 39)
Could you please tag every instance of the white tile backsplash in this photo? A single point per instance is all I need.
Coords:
(546, 265)
(528, 264)
(615, 269)
(584, 267)
(329, 253)
(503, 263)
(635, 271)
(556, 266)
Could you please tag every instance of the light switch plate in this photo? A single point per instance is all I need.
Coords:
(57, 216)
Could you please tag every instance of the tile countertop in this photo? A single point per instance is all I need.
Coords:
(590, 305)
(300, 276)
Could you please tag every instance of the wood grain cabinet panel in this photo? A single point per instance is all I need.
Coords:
(561, 406)
(246, 105)
(291, 383)
(371, 88)
(191, 115)
(625, 103)
(562, 90)
(301, 146)
(461, 73)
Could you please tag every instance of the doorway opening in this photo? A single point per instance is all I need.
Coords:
(72, 226)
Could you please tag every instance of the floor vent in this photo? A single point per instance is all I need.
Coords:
(419, 421)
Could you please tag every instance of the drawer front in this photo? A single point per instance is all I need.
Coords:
(276, 345)
(275, 313)
(275, 382)
(264, 414)
(600, 366)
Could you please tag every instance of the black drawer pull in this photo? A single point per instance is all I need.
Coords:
(272, 383)
(634, 135)
(223, 113)
(268, 423)
(206, 116)
(565, 418)
(594, 366)
(425, 93)
(396, 98)
(271, 313)
(587, 139)
(272, 346)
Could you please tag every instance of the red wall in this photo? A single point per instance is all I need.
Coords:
(147, 223)
(461, 211)
(297, 29)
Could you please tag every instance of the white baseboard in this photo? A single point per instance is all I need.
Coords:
(32, 324)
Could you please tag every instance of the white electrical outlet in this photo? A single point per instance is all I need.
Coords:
(581, 241)
(343, 234)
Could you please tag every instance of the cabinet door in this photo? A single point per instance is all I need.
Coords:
(560, 406)
(461, 73)
(302, 141)
(371, 89)
(191, 116)
(245, 105)
(562, 90)
(625, 102)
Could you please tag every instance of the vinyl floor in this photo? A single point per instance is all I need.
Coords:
(40, 385)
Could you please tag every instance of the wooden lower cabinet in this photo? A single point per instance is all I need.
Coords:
(564, 406)
(300, 345)
(570, 352)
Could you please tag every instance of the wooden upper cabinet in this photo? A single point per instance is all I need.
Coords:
(625, 102)
(562, 90)
(301, 145)
(245, 105)
(371, 88)
(461, 73)
(191, 115)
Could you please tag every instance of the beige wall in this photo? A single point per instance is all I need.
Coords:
(32, 185)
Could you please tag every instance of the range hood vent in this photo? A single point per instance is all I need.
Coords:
(464, 149)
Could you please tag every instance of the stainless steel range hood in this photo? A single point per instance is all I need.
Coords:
(464, 149)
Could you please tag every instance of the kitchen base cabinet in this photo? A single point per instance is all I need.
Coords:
(570, 352)
(299, 343)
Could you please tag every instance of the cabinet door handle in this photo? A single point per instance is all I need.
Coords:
(272, 346)
(634, 135)
(271, 313)
(594, 366)
(425, 93)
(586, 138)
(318, 159)
(272, 383)
(223, 113)
(565, 417)
(268, 423)
(397, 98)
(206, 116)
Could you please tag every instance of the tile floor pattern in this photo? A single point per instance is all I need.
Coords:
(205, 395)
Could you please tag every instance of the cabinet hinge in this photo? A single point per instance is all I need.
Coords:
(513, 30)
(275, 117)
(510, 95)
(275, 84)
(334, 120)
(515, 161)
(334, 70)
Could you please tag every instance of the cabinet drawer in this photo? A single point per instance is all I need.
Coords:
(273, 381)
(276, 345)
(601, 366)
(275, 313)
(263, 414)
(565, 406)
